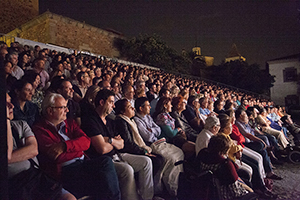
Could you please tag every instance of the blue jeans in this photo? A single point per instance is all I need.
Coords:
(96, 177)
(258, 147)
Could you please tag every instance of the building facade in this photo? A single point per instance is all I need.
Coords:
(286, 89)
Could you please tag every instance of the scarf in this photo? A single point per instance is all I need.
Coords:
(135, 134)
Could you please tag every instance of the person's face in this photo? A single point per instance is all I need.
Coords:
(107, 77)
(182, 105)
(210, 107)
(25, 58)
(14, 60)
(168, 107)
(167, 94)
(67, 90)
(86, 78)
(157, 88)
(60, 67)
(26, 93)
(98, 72)
(3, 52)
(129, 93)
(109, 105)
(59, 110)
(204, 103)
(244, 117)
(196, 104)
(221, 105)
(40, 64)
(143, 86)
(228, 129)
(8, 68)
(146, 108)
(9, 108)
(215, 129)
(36, 82)
(129, 110)
(116, 88)
(154, 89)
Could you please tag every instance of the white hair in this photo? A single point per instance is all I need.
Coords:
(49, 101)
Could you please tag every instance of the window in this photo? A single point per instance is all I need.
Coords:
(290, 74)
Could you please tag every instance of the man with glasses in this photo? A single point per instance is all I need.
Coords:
(62, 144)
(22, 149)
(65, 88)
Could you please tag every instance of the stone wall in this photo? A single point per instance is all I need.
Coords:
(14, 13)
(73, 34)
(62, 31)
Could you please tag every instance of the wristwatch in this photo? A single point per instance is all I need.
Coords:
(110, 140)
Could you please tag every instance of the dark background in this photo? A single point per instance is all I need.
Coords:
(262, 30)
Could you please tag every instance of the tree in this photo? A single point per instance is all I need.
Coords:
(241, 75)
(151, 50)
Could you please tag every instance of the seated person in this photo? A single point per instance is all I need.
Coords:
(293, 128)
(19, 153)
(219, 106)
(172, 134)
(105, 141)
(24, 109)
(251, 164)
(193, 115)
(265, 126)
(214, 158)
(211, 127)
(65, 88)
(150, 132)
(203, 103)
(162, 93)
(179, 105)
(271, 141)
(127, 129)
(62, 144)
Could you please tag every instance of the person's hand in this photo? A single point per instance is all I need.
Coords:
(150, 154)
(118, 137)
(179, 129)
(55, 150)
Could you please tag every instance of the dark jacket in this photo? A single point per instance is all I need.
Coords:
(181, 122)
(124, 130)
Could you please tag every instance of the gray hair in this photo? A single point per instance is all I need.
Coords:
(12, 54)
(49, 101)
(211, 121)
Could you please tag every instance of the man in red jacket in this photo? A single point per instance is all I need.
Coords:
(62, 144)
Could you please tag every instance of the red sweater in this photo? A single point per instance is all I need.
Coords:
(46, 135)
(237, 136)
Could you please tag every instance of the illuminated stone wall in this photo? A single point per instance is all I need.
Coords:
(14, 13)
(66, 32)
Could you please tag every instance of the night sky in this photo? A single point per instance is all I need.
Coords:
(262, 30)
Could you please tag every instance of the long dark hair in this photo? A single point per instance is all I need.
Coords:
(160, 106)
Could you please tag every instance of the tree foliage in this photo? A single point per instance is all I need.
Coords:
(242, 75)
(151, 50)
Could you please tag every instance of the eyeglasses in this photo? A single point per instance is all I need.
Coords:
(60, 107)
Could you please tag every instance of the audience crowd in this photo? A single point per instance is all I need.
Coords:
(115, 131)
